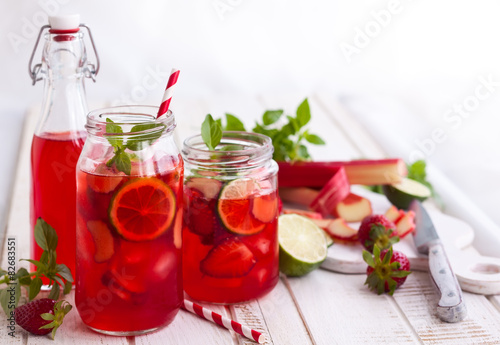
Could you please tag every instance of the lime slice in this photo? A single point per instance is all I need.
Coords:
(401, 194)
(303, 245)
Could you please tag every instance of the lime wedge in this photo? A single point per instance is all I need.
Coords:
(401, 194)
(303, 245)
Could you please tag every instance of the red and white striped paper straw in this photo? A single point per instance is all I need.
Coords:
(167, 96)
(223, 321)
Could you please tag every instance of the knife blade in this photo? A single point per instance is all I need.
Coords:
(451, 306)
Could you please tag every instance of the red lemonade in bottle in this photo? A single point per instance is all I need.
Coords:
(53, 193)
(60, 133)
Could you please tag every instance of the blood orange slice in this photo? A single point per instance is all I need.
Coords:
(142, 209)
(235, 207)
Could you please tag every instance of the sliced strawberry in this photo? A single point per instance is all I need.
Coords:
(230, 259)
(200, 217)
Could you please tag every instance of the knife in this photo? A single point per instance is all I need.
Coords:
(451, 307)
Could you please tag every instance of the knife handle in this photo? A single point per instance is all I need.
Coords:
(451, 307)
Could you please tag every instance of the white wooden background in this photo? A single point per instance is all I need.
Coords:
(320, 308)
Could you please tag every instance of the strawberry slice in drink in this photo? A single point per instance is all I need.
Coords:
(230, 259)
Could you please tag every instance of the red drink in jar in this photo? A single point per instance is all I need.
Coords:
(129, 224)
(230, 240)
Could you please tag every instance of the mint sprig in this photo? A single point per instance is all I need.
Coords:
(211, 132)
(122, 159)
(288, 140)
(59, 275)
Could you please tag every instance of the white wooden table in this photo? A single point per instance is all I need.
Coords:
(320, 308)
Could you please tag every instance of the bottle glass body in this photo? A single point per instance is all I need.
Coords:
(129, 223)
(230, 239)
(57, 142)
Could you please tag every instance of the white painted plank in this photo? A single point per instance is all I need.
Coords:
(495, 300)
(353, 129)
(187, 329)
(418, 299)
(284, 323)
(18, 221)
(337, 146)
(73, 331)
(339, 309)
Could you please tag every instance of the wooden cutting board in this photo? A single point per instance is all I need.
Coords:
(475, 273)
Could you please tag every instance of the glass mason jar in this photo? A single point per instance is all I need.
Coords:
(230, 239)
(129, 221)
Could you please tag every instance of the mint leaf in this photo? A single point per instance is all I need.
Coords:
(64, 272)
(303, 113)
(211, 132)
(45, 235)
(233, 123)
(23, 276)
(55, 291)
(144, 139)
(122, 162)
(314, 139)
(34, 288)
(4, 301)
(111, 128)
(271, 116)
(67, 287)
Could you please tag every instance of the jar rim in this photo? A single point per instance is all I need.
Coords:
(256, 150)
(128, 115)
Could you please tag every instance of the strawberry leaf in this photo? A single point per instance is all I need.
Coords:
(367, 256)
(47, 316)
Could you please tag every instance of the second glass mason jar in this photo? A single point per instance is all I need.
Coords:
(230, 238)
(129, 222)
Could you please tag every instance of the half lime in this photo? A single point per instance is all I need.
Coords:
(303, 245)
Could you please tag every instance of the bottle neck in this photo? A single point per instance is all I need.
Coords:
(64, 103)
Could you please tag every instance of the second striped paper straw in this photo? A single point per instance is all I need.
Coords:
(223, 321)
(167, 96)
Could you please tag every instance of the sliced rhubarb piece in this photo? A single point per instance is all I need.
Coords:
(334, 191)
(365, 172)
(338, 229)
(209, 187)
(394, 214)
(406, 224)
(308, 214)
(103, 240)
(230, 259)
(353, 208)
(302, 196)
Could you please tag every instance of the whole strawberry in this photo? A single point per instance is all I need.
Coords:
(387, 270)
(377, 229)
(42, 316)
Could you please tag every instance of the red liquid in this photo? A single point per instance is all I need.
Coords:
(125, 286)
(250, 269)
(53, 190)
